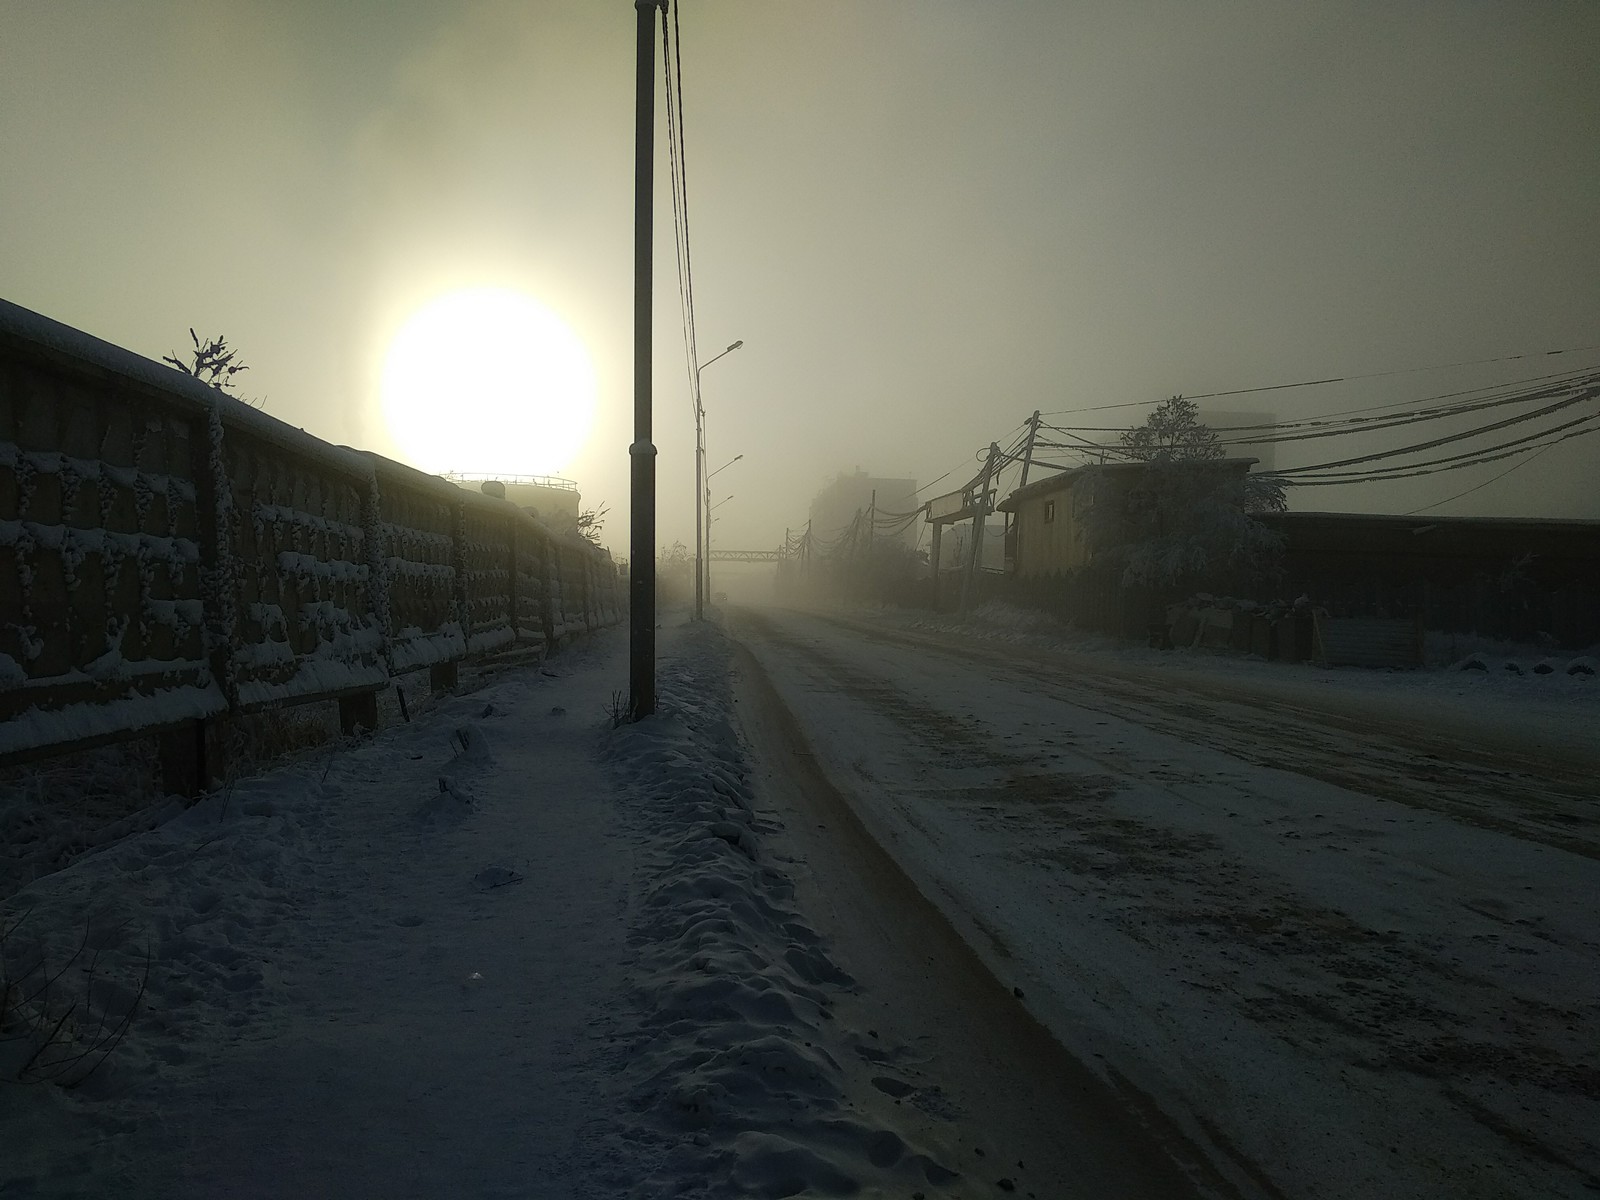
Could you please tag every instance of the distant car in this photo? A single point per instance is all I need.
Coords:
(719, 598)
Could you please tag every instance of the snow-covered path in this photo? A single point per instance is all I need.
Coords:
(510, 950)
(374, 973)
(1352, 955)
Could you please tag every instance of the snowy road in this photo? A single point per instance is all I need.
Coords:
(1343, 935)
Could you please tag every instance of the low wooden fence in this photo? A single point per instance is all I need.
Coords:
(169, 554)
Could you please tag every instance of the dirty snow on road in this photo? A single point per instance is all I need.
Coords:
(1339, 925)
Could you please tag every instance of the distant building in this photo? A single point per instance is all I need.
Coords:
(1047, 515)
(1510, 577)
(836, 505)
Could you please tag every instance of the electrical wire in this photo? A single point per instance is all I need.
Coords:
(1465, 458)
(1445, 440)
(1328, 426)
(1573, 387)
(980, 453)
(1405, 472)
(672, 62)
(1276, 387)
(1484, 484)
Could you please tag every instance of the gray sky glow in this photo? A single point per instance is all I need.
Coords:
(925, 219)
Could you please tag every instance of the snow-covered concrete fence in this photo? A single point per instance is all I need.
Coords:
(169, 554)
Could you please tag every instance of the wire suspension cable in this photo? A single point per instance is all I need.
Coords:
(1330, 425)
(1446, 440)
(1276, 387)
(1404, 472)
(679, 216)
(1465, 457)
(1476, 486)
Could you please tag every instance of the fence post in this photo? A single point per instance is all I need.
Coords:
(185, 766)
(182, 755)
(359, 711)
(511, 580)
(372, 533)
(458, 563)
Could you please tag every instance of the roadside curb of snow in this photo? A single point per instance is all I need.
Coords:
(739, 1076)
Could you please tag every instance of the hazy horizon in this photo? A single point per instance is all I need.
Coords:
(925, 221)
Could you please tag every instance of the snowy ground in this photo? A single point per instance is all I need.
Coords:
(1339, 923)
(506, 950)
(1336, 926)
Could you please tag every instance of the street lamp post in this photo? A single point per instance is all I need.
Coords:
(700, 482)
(710, 520)
(705, 500)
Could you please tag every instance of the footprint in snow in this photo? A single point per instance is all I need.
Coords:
(495, 877)
(891, 1086)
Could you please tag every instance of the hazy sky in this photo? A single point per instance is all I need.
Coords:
(925, 219)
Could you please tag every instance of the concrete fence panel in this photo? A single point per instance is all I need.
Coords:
(169, 554)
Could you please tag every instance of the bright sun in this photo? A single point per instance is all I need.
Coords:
(488, 380)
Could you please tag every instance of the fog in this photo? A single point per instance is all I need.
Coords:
(924, 220)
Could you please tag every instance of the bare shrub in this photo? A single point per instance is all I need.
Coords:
(61, 1017)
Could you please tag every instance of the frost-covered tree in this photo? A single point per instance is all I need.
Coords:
(1186, 519)
(1172, 433)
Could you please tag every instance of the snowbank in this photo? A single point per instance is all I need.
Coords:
(504, 950)
(741, 1078)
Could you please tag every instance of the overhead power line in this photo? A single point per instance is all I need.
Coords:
(1477, 461)
(1567, 390)
(1278, 387)
(1547, 410)
(1544, 439)
(1488, 397)
(672, 61)
(1476, 486)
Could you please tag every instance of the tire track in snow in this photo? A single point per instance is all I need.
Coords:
(1550, 802)
(1449, 1007)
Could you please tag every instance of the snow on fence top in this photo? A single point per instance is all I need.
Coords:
(168, 553)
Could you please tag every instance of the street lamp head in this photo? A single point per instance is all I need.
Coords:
(722, 468)
(716, 356)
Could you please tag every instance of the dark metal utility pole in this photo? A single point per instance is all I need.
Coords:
(969, 586)
(642, 454)
(1027, 461)
(1027, 451)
